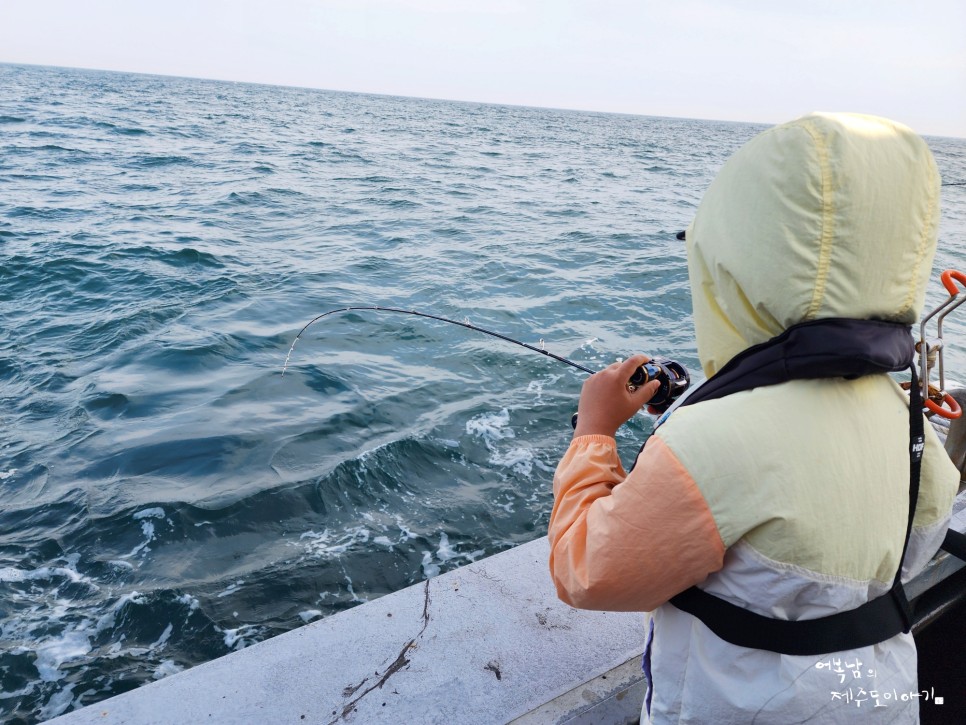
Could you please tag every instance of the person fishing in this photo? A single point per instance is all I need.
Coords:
(770, 520)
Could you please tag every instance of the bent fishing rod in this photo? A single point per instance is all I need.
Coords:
(673, 376)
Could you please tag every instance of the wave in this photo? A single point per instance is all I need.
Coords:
(150, 161)
(271, 196)
(184, 257)
(169, 495)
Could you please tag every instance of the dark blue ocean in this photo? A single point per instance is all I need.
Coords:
(167, 495)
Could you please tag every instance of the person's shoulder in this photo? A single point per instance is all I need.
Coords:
(760, 416)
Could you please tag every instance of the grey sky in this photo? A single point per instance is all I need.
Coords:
(751, 60)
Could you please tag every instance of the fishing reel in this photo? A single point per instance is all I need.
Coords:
(673, 377)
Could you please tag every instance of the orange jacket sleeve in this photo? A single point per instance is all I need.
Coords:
(624, 542)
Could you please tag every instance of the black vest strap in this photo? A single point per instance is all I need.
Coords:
(818, 349)
(833, 633)
(955, 544)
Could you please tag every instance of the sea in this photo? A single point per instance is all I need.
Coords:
(167, 495)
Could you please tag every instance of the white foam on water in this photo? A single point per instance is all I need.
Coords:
(405, 533)
(232, 588)
(355, 597)
(238, 638)
(429, 568)
(147, 528)
(59, 633)
(589, 347)
(55, 651)
(309, 614)
(28, 690)
(166, 668)
(491, 427)
(132, 597)
(445, 552)
(518, 459)
(58, 703)
(134, 652)
(147, 518)
(12, 574)
(325, 545)
(536, 387)
(543, 467)
(383, 541)
(163, 639)
(494, 429)
(189, 601)
(109, 619)
(4, 475)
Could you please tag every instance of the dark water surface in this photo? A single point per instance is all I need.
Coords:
(167, 496)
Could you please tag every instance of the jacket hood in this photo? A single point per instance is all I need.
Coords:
(831, 215)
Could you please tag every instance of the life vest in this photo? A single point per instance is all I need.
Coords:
(818, 349)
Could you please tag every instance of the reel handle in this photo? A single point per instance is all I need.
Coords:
(673, 376)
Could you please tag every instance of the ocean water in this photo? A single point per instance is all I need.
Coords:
(168, 496)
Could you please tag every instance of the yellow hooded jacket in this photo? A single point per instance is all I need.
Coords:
(788, 500)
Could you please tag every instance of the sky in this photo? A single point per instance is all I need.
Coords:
(742, 60)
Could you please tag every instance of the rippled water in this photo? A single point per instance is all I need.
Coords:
(167, 495)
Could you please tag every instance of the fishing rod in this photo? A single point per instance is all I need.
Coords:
(673, 376)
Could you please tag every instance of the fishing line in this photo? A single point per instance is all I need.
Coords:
(467, 325)
(673, 377)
